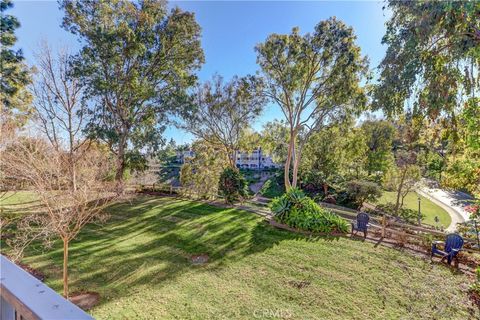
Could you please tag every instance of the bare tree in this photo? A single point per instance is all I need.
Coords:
(65, 210)
(223, 110)
(66, 170)
(59, 104)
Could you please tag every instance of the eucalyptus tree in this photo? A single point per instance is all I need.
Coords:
(137, 61)
(314, 78)
(432, 58)
(223, 110)
(274, 140)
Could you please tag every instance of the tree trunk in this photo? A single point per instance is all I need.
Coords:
(231, 158)
(325, 189)
(74, 174)
(399, 191)
(71, 138)
(296, 164)
(65, 268)
(120, 167)
(291, 148)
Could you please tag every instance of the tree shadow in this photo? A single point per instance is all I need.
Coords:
(150, 240)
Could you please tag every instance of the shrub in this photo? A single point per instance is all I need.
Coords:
(361, 190)
(299, 211)
(232, 185)
(274, 186)
(407, 215)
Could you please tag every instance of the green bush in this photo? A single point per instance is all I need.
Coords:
(274, 186)
(361, 190)
(232, 185)
(299, 211)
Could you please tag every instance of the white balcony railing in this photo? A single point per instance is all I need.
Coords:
(25, 297)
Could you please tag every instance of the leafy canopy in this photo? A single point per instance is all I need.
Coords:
(14, 75)
(222, 111)
(137, 61)
(314, 79)
(432, 58)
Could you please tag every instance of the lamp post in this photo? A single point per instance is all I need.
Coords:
(419, 218)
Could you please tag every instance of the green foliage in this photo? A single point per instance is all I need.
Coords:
(314, 78)
(232, 185)
(471, 120)
(324, 158)
(432, 56)
(168, 154)
(301, 212)
(137, 66)
(274, 140)
(221, 111)
(379, 135)
(14, 75)
(361, 190)
(463, 173)
(273, 187)
(199, 176)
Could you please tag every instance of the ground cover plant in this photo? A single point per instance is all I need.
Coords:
(297, 210)
(140, 263)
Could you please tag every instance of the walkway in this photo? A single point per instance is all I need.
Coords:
(454, 202)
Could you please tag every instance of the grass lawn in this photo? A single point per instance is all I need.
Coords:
(427, 207)
(18, 202)
(140, 264)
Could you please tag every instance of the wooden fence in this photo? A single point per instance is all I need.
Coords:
(385, 225)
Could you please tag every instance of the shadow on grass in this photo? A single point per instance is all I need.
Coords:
(151, 240)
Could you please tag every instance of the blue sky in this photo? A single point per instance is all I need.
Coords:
(230, 31)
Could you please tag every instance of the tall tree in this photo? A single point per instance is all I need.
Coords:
(379, 135)
(432, 57)
(405, 175)
(14, 75)
(137, 62)
(200, 174)
(222, 111)
(314, 79)
(324, 158)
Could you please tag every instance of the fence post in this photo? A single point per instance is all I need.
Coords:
(153, 187)
(171, 189)
(384, 224)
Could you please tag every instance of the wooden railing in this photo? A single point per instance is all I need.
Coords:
(24, 297)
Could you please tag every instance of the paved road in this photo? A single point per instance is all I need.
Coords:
(454, 202)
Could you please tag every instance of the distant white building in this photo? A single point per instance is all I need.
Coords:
(182, 155)
(255, 160)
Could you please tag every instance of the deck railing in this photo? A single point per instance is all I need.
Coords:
(24, 297)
